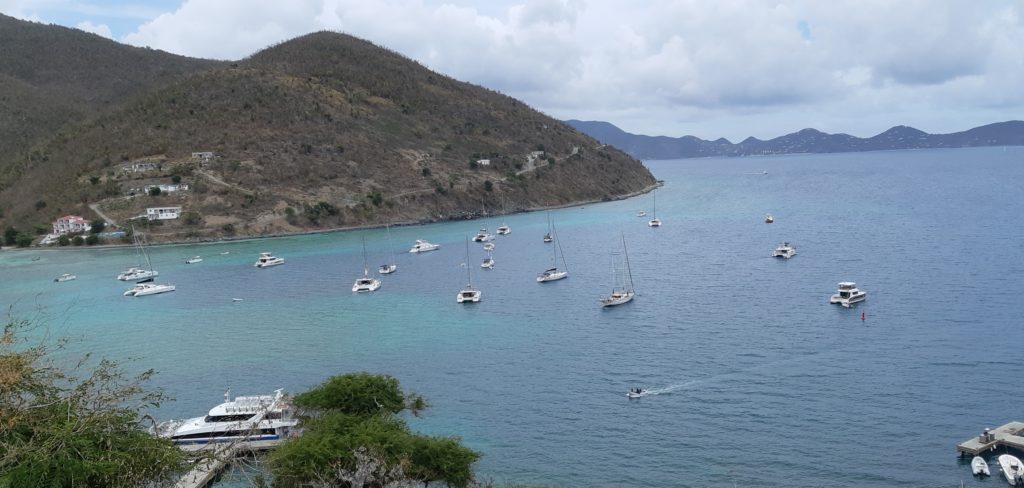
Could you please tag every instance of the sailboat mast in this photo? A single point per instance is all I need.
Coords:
(149, 263)
(366, 267)
(469, 272)
(628, 269)
(558, 247)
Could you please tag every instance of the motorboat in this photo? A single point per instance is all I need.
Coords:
(483, 236)
(424, 246)
(503, 230)
(848, 294)
(784, 250)
(488, 246)
(548, 238)
(1012, 469)
(468, 294)
(65, 277)
(979, 467)
(194, 260)
(267, 260)
(637, 392)
(365, 283)
(144, 289)
(769, 219)
(551, 274)
(138, 274)
(254, 422)
(641, 214)
(622, 290)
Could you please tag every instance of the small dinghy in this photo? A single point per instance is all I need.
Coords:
(637, 392)
(1012, 469)
(979, 467)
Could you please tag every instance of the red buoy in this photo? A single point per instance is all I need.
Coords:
(862, 316)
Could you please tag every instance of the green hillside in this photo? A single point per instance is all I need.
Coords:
(321, 131)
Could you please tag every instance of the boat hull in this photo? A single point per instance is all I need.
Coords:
(614, 300)
(468, 297)
(387, 268)
(546, 277)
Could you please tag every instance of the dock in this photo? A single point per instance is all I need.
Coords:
(206, 469)
(1008, 435)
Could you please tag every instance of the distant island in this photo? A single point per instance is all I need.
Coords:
(1010, 133)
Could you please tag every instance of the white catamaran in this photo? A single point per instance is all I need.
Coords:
(138, 273)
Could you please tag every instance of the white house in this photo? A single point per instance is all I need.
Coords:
(163, 213)
(204, 155)
(166, 188)
(140, 166)
(483, 162)
(70, 223)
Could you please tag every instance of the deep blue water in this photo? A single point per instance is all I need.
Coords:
(762, 382)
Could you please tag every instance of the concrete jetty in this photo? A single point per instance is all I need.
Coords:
(1008, 435)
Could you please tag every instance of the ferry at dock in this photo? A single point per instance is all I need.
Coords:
(253, 422)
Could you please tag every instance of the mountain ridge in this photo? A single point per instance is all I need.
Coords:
(319, 132)
(808, 140)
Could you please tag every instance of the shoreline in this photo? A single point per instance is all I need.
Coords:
(648, 189)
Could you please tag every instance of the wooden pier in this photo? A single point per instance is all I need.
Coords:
(1009, 435)
(206, 469)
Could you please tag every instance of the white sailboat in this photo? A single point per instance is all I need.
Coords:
(138, 273)
(468, 294)
(553, 273)
(391, 267)
(655, 221)
(547, 237)
(620, 292)
(365, 283)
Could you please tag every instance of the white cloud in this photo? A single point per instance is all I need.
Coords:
(98, 29)
(729, 67)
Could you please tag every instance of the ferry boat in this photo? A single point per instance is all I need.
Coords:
(267, 260)
(424, 246)
(144, 289)
(848, 294)
(784, 250)
(65, 277)
(255, 422)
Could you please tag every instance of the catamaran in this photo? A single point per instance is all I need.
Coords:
(138, 273)
(391, 267)
(655, 221)
(365, 283)
(468, 294)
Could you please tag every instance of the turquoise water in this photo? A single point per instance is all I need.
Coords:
(761, 381)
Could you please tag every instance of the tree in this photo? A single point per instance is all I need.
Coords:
(74, 426)
(488, 186)
(10, 236)
(77, 240)
(154, 191)
(92, 239)
(63, 240)
(176, 179)
(97, 226)
(24, 239)
(352, 432)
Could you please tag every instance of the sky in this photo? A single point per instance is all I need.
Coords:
(709, 68)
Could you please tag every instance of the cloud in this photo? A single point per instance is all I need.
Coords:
(695, 64)
(98, 29)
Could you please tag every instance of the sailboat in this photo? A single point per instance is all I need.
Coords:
(389, 268)
(547, 237)
(655, 222)
(366, 283)
(503, 229)
(468, 294)
(620, 293)
(553, 273)
(138, 273)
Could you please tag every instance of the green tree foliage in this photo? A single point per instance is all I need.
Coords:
(314, 213)
(97, 226)
(10, 236)
(41, 204)
(488, 186)
(176, 179)
(78, 240)
(24, 239)
(94, 180)
(154, 191)
(351, 430)
(63, 240)
(77, 426)
(92, 240)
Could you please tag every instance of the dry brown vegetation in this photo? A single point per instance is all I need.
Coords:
(322, 131)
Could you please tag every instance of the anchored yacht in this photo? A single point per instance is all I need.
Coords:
(266, 260)
(848, 294)
(143, 289)
(252, 421)
(424, 246)
(194, 260)
(784, 250)
(65, 277)
(483, 236)
(504, 230)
